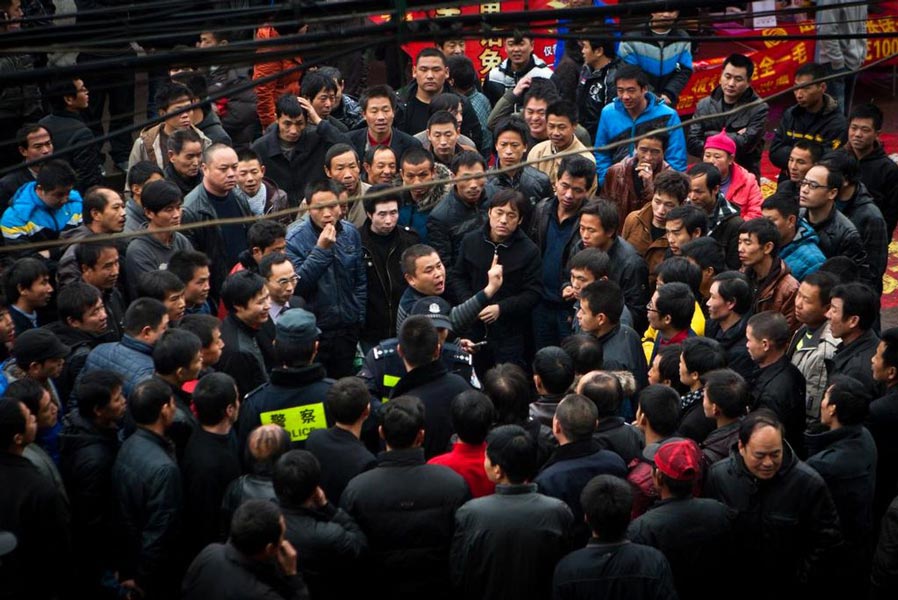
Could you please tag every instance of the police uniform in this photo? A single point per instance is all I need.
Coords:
(383, 367)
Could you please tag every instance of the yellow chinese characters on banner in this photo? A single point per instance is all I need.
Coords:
(299, 421)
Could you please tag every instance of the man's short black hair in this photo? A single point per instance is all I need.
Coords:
(782, 202)
(175, 349)
(432, 52)
(626, 71)
(373, 151)
(728, 390)
(757, 419)
(669, 367)
(212, 396)
(772, 326)
(401, 420)
(815, 149)
(607, 503)
(472, 416)
(23, 273)
(95, 199)
(177, 140)
(289, 105)
(296, 477)
(12, 422)
(577, 166)
(862, 111)
(707, 170)
(377, 91)
(466, 159)
(442, 117)
(240, 288)
(255, 525)
(850, 399)
(411, 255)
(674, 184)
(764, 230)
(511, 197)
(263, 234)
(740, 61)
(27, 129)
(843, 162)
(508, 386)
(416, 155)
(586, 352)
(464, 77)
(371, 203)
(202, 326)
(146, 400)
(269, 261)
(324, 186)
(566, 109)
(514, 124)
(706, 252)
(313, 83)
(858, 299)
(555, 368)
(661, 406)
(593, 260)
(95, 390)
(160, 194)
(338, 150)
(604, 297)
(512, 448)
(56, 174)
(143, 312)
(812, 70)
(605, 391)
(676, 300)
(141, 171)
(824, 282)
(732, 286)
(76, 299)
(185, 263)
(692, 218)
(541, 89)
(418, 340)
(347, 399)
(27, 391)
(158, 284)
(701, 355)
(606, 212)
(841, 267)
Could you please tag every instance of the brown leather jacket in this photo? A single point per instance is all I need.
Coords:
(638, 231)
(776, 292)
(620, 187)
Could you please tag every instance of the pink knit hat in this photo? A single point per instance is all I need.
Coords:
(721, 141)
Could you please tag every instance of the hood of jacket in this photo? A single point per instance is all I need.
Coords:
(805, 234)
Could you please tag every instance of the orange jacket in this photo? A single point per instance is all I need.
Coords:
(268, 93)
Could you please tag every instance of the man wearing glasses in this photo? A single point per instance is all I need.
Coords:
(838, 236)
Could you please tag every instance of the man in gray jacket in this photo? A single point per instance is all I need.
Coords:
(843, 53)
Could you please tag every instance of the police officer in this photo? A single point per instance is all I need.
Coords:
(383, 368)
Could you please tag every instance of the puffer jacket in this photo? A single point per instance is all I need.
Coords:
(451, 220)
(839, 237)
(620, 187)
(28, 219)
(332, 281)
(24, 100)
(829, 128)
(130, 358)
(744, 192)
(268, 93)
(775, 292)
(811, 361)
(665, 58)
(87, 455)
(803, 255)
(869, 221)
(749, 145)
(595, 90)
(198, 208)
(531, 182)
(788, 524)
(147, 486)
(616, 124)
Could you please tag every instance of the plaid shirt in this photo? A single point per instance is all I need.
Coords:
(723, 210)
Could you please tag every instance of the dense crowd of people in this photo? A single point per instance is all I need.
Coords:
(481, 359)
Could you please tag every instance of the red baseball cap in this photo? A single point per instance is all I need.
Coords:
(681, 460)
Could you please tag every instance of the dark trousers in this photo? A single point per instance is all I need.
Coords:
(336, 351)
(115, 86)
(551, 324)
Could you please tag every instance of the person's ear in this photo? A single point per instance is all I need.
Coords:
(400, 351)
(419, 439)
(380, 432)
(315, 351)
(769, 247)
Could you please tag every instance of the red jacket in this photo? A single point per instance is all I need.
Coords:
(467, 461)
(268, 93)
(744, 192)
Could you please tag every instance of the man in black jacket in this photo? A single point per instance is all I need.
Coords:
(293, 149)
(727, 398)
(612, 432)
(211, 460)
(257, 561)
(428, 378)
(878, 171)
(816, 116)
(146, 483)
(327, 540)
(68, 98)
(689, 531)
(511, 146)
(177, 359)
(852, 310)
(729, 308)
(409, 549)
(338, 448)
(379, 109)
(383, 242)
(501, 241)
(185, 154)
(516, 530)
(248, 301)
(776, 495)
(88, 446)
(883, 421)
(778, 384)
(294, 397)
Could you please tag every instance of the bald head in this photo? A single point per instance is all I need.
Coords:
(219, 169)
